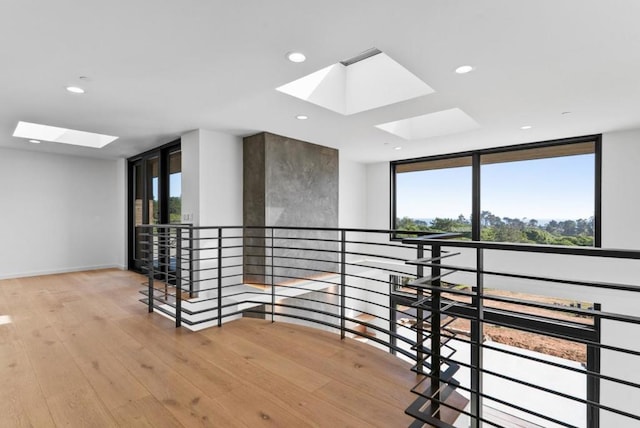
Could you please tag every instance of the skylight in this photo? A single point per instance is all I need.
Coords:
(368, 81)
(436, 124)
(35, 131)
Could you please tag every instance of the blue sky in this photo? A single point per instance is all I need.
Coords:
(556, 188)
(175, 184)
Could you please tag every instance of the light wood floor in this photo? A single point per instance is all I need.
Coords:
(81, 351)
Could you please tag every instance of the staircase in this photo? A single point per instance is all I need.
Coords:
(438, 403)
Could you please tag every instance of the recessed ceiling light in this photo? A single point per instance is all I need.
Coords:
(464, 69)
(34, 141)
(296, 57)
(526, 127)
(39, 132)
(75, 89)
(397, 148)
(302, 117)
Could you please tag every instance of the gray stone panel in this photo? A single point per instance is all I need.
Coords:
(253, 200)
(299, 187)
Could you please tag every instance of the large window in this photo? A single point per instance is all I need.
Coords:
(434, 195)
(542, 193)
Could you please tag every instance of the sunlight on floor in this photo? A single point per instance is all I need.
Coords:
(5, 319)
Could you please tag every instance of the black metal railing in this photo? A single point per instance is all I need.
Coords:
(501, 334)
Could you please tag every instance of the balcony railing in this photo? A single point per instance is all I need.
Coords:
(501, 334)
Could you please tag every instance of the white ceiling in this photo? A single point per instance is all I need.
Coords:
(157, 69)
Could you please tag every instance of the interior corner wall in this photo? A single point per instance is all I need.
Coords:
(190, 147)
(620, 189)
(220, 179)
(60, 213)
(378, 195)
(620, 205)
(352, 194)
(211, 178)
(122, 206)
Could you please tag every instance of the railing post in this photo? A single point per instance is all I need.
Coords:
(191, 290)
(435, 328)
(273, 287)
(178, 273)
(593, 365)
(150, 272)
(219, 277)
(164, 257)
(343, 280)
(419, 314)
(477, 334)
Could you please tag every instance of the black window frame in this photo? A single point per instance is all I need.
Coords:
(476, 155)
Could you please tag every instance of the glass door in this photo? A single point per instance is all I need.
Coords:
(155, 197)
(175, 187)
(146, 202)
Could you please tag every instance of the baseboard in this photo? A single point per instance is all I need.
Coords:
(59, 271)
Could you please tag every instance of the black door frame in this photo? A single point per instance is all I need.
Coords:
(163, 152)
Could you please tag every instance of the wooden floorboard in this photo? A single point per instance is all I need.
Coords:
(81, 351)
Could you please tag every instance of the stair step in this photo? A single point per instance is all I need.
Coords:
(446, 375)
(423, 417)
(436, 412)
(422, 261)
(422, 282)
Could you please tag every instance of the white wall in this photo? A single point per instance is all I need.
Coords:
(190, 147)
(211, 195)
(211, 178)
(352, 190)
(378, 195)
(60, 213)
(220, 179)
(620, 189)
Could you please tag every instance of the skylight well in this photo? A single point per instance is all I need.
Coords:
(435, 124)
(38, 132)
(369, 80)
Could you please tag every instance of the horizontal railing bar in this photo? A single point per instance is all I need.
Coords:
(580, 333)
(471, 342)
(531, 303)
(511, 405)
(462, 411)
(196, 281)
(544, 389)
(200, 249)
(351, 253)
(418, 283)
(445, 236)
(532, 248)
(605, 285)
(420, 262)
